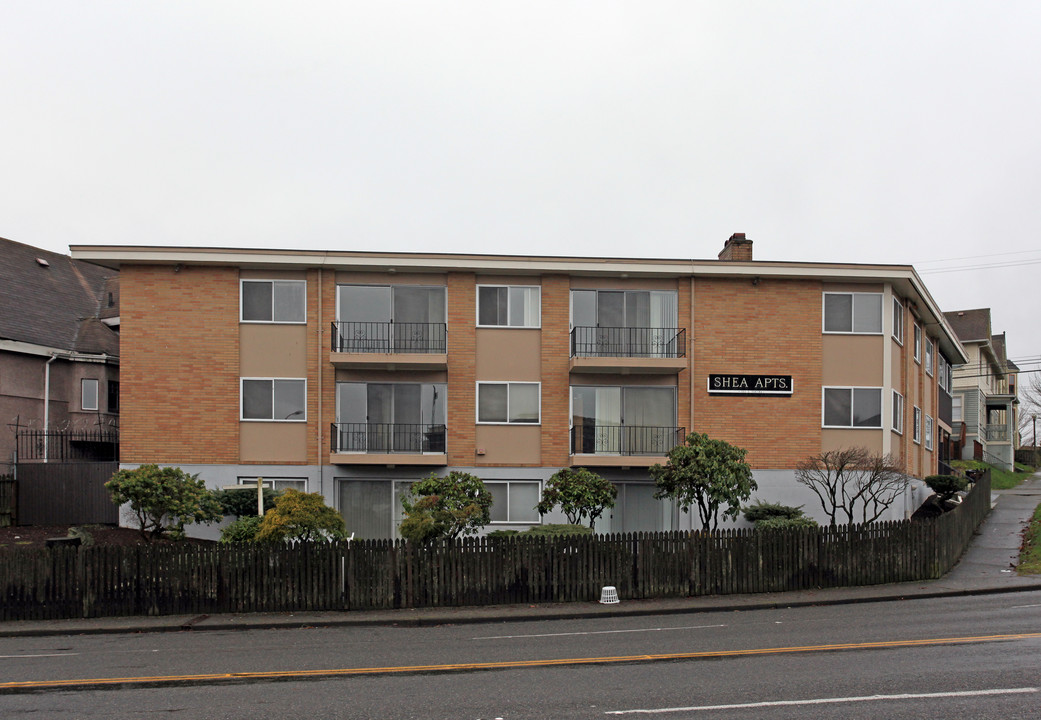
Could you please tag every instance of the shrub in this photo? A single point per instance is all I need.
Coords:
(580, 493)
(163, 499)
(244, 529)
(300, 516)
(785, 523)
(946, 486)
(547, 530)
(243, 502)
(764, 511)
(445, 507)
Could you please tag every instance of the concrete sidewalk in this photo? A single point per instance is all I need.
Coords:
(988, 566)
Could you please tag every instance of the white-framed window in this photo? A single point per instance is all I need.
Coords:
(898, 321)
(509, 306)
(273, 301)
(898, 412)
(853, 313)
(943, 372)
(916, 433)
(508, 402)
(928, 432)
(514, 501)
(277, 483)
(917, 343)
(274, 399)
(956, 401)
(89, 394)
(930, 354)
(852, 407)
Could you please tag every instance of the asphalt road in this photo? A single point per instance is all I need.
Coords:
(976, 657)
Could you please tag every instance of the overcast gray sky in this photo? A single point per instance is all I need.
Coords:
(895, 132)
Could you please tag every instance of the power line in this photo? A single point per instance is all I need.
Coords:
(975, 257)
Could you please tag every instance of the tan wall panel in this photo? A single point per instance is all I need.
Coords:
(855, 287)
(632, 379)
(852, 359)
(527, 280)
(508, 354)
(839, 439)
(273, 350)
(273, 442)
(508, 445)
(247, 274)
(384, 376)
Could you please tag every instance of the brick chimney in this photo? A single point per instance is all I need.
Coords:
(737, 248)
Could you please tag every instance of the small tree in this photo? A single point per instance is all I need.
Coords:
(946, 486)
(853, 483)
(300, 516)
(163, 499)
(707, 473)
(244, 529)
(580, 493)
(445, 507)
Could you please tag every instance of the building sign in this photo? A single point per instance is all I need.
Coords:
(725, 384)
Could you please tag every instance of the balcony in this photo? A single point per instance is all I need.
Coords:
(389, 346)
(623, 445)
(998, 433)
(628, 350)
(388, 444)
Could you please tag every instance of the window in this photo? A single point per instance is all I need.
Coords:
(508, 306)
(956, 408)
(508, 402)
(852, 312)
(277, 483)
(514, 501)
(943, 372)
(917, 343)
(898, 412)
(274, 399)
(390, 417)
(274, 301)
(916, 434)
(898, 321)
(390, 318)
(852, 407)
(113, 396)
(628, 420)
(89, 394)
(928, 433)
(929, 355)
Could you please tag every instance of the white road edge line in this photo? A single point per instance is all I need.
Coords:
(19, 657)
(826, 701)
(1019, 607)
(597, 632)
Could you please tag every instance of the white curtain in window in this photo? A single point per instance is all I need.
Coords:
(663, 322)
(608, 419)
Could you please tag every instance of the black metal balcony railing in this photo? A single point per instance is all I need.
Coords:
(387, 438)
(636, 342)
(389, 337)
(68, 445)
(624, 439)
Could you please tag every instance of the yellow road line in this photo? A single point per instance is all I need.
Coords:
(506, 664)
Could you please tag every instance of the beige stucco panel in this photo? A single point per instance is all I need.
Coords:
(387, 278)
(839, 439)
(248, 274)
(591, 283)
(852, 359)
(273, 442)
(508, 444)
(508, 354)
(273, 350)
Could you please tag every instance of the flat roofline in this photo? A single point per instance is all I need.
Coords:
(904, 278)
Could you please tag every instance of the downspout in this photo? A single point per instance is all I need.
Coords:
(321, 418)
(47, 407)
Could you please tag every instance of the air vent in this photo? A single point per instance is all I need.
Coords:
(42, 263)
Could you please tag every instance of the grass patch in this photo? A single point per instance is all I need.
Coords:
(1030, 553)
(999, 479)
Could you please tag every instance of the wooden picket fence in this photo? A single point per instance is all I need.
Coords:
(374, 574)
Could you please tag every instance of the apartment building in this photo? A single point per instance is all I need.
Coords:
(985, 398)
(353, 374)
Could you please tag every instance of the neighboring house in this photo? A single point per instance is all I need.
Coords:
(985, 400)
(353, 374)
(59, 357)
